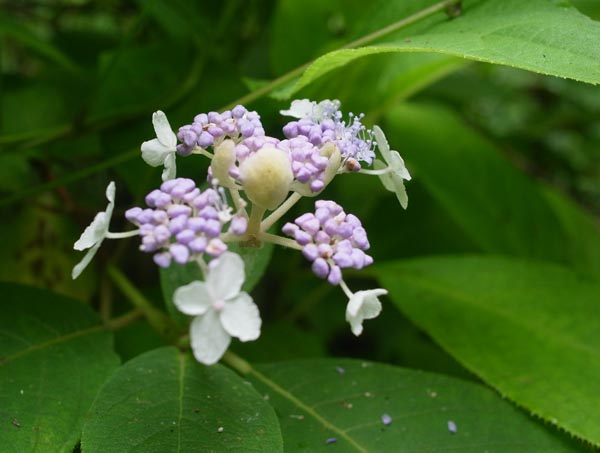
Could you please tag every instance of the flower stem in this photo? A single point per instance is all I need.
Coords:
(156, 318)
(280, 211)
(278, 240)
(383, 171)
(237, 363)
(256, 215)
(122, 235)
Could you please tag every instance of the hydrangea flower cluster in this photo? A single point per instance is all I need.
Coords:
(251, 173)
(331, 239)
(184, 223)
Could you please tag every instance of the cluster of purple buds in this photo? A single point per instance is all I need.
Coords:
(353, 139)
(308, 165)
(209, 129)
(183, 222)
(331, 239)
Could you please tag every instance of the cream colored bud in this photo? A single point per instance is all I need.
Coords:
(222, 161)
(266, 177)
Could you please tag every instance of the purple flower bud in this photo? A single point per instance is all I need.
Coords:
(205, 140)
(198, 245)
(185, 237)
(310, 252)
(132, 214)
(162, 259)
(177, 210)
(335, 275)
(238, 225)
(180, 253)
(238, 111)
(320, 268)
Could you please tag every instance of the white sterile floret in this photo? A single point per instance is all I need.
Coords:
(300, 108)
(394, 180)
(220, 308)
(95, 233)
(363, 305)
(161, 150)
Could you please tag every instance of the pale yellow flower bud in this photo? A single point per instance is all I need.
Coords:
(266, 177)
(223, 160)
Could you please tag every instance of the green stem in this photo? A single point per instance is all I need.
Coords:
(237, 363)
(156, 318)
(278, 240)
(280, 211)
(256, 215)
(124, 320)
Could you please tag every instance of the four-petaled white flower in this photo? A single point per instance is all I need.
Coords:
(162, 149)
(392, 180)
(220, 308)
(95, 233)
(363, 305)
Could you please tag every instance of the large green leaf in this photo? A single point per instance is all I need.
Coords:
(529, 329)
(499, 207)
(343, 402)
(164, 401)
(55, 357)
(544, 36)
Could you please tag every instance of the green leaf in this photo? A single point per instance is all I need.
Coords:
(55, 357)
(552, 38)
(256, 260)
(528, 329)
(345, 400)
(165, 401)
(501, 209)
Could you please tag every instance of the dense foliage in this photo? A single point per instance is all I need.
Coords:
(489, 337)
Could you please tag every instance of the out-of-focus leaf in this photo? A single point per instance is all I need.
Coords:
(528, 329)
(165, 401)
(21, 33)
(340, 404)
(500, 208)
(552, 38)
(54, 359)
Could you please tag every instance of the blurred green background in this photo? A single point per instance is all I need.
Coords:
(80, 80)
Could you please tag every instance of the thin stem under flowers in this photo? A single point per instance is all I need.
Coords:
(383, 171)
(280, 211)
(203, 152)
(157, 319)
(346, 290)
(238, 201)
(122, 235)
(278, 240)
(256, 215)
(244, 368)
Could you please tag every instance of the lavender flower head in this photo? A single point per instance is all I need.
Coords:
(331, 239)
(183, 222)
(210, 129)
(323, 122)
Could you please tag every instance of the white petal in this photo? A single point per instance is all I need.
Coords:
(192, 299)
(163, 130)
(110, 192)
(386, 178)
(400, 190)
(208, 338)
(155, 153)
(94, 232)
(170, 170)
(363, 305)
(79, 267)
(241, 319)
(300, 108)
(226, 276)
(382, 143)
(397, 164)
